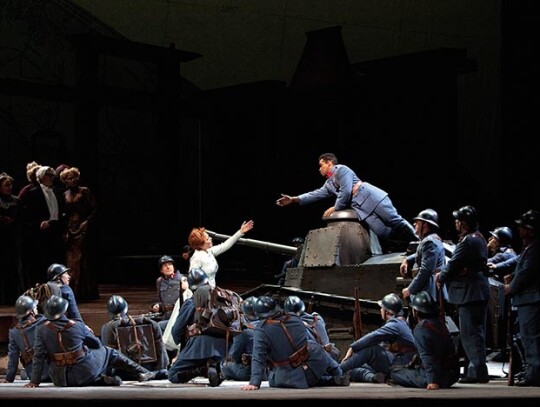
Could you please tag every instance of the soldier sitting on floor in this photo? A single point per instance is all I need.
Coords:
(138, 337)
(77, 357)
(21, 340)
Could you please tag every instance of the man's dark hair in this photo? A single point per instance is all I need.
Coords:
(329, 157)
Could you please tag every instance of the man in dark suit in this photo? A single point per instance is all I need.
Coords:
(43, 208)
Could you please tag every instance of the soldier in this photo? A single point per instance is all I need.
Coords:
(58, 275)
(438, 367)
(501, 252)
(468, 290)
(428, 258)
(149, 351)
(371, 204)
(237, 365)
(314, 322)
(21, 339)
(77, 357)
(523, 287)
(296, 360)
(200, 354)
(371, 357)
(168, 287)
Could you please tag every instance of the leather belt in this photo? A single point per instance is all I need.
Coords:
(356, 187)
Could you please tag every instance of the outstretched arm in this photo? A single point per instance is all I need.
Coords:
(287, 200)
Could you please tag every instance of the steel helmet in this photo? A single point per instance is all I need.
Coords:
(248, 308)
(24, 305)
(55, 307)
(117, 305)
(266, 307)
(55, 270)
(196, 278)
(294, 304)
(503, 235)
(166, 259)
(391, 302)
(429, 216)
(423, 302)
(297, 241)
(466, 214)
(529, 219)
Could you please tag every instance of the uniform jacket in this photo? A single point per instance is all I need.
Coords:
(464, 273)
(395, 330)
(17, 346)
(525, 285)
(270, 344)
(429, 258)
(340, 184)
(168, 291)
(88, 367)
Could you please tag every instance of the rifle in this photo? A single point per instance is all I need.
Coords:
(357, 318)
(310, 304)
(509, 339)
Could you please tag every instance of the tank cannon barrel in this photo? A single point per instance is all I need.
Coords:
(259, 244)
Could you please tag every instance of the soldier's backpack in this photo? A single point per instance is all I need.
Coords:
(222, 316)
(42, 292)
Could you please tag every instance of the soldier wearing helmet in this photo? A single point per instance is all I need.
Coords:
(77, 357)
(370, 358)
(297, 360)
(314, 323)
(119, 333)
(168, 288)
(200, 354)
(523, 287)
(465, 276)
(501, 252)
(237, 365)
(428, 258)
(292, 262)
(21, 340)
(58, 280)
(440, 362)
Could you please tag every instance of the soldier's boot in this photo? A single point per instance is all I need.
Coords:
(124, 363)
(187, 375)
(402, 235)
(105, 380)
(214, 373)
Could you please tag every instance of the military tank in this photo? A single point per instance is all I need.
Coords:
(341, 274)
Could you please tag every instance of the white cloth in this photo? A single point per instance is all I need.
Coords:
(52, 202)
(206, 259)
(167, 333)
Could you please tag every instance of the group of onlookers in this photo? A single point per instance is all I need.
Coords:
(49, 221)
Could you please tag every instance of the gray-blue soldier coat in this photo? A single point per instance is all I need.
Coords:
(436, 350)
(73, 309)
(89, 367)
(17, 347)
(468, 289)
(233, 368)
(429, 257)
(367, 201)
(197, 349)
(371, 352)
(525, 295)
(270, 343)
(317, 328)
